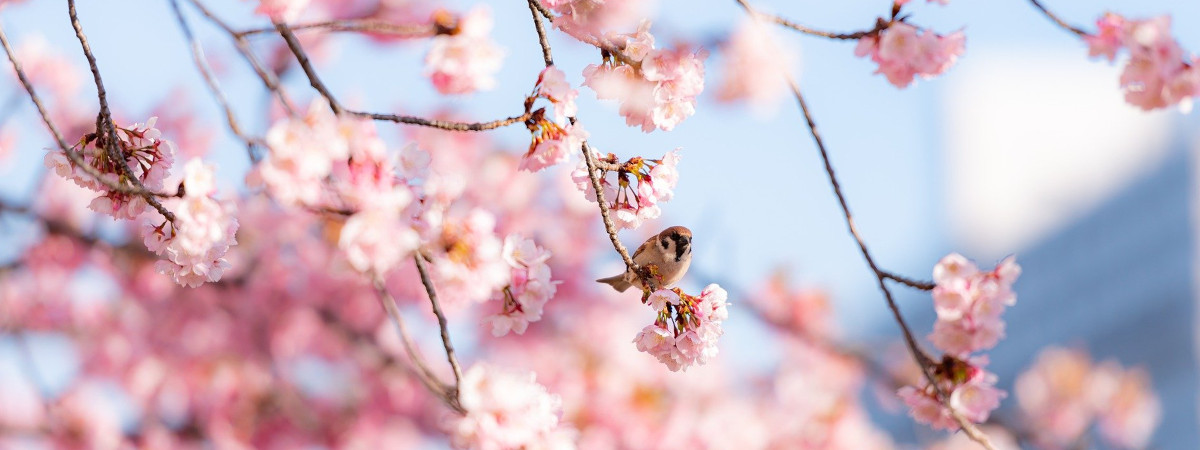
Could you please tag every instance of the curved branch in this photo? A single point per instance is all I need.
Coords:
(915, 284)
(443, 124)
(214, 87)
(1058, 21)
(441, 318)
(427, 377)
(353, 26)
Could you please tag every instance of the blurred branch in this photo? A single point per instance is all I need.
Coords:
(356, 25)
(214, 87)
(880, 25)
(1058, 21)
(427, 377)
(268, 78)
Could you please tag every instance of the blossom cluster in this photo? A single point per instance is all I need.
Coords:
(466, 59)
(1158, 74)
(755, 67)
(686, 330)
(630, 206)
(656, 88)
(1064, 393)
(586, 19)
(971, 389)
(147, 155)
(553, 141)
(507, 409)
(903, 51)
(969, 303)
(529, 290)
(195, 244)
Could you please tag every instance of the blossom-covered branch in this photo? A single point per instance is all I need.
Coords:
(107, 130)
(355, 26)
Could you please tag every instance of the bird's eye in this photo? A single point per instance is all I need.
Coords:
(663, 241)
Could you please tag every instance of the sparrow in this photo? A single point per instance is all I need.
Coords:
(670, 251)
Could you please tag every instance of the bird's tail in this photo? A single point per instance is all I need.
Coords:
(617, 282)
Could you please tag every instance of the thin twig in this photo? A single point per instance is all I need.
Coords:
(880, 25)
(543, 10)
(104, 122)
(1058, 21)
(442, 124)
(268, 78)
(302, 58)
(915, 284)
(427, 377)
(541, 31)
(355, 25)
(441, 318)
(214, 86)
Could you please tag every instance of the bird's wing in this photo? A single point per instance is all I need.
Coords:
(645, 245)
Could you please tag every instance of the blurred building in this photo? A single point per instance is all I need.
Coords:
(1119, 282)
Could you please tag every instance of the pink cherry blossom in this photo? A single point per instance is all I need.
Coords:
(1129, 411)
(687, 328)
(903, 52)
(970, 388)
(594, 18)
(467, 61)
(630, 205)
(281, 10)
(377, 239)
(552, 84)
(552, 144)
(969, 303)
(756, 66)
(195, 244)
(1159, 73)
(302, 154)
(505, 409)
(530, 288)
(658, 90)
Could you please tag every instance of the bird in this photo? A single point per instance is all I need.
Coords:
(670, 251)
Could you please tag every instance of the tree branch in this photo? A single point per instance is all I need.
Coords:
(214, 87)
(356, 25)
(427, 377)
(268, 78)
(1058, 21)
(105, 125)
(441, 318)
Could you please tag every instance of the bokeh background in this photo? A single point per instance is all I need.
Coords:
(1025, 147)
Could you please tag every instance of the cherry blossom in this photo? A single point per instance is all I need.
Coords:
(526, 295)
(593, 18)
(971, 390)
(552, 85)
(903, 51)
(969, 303)
(656, 88)
(467, 60)
(1158, 74)
(1066, 394)
(686, 330)
(506, 409)
(195, 244)
(281, 10)
(755, 67)
(303, 151)
(629, 205)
